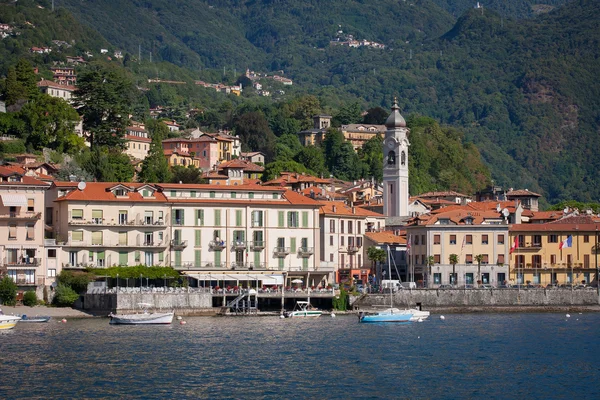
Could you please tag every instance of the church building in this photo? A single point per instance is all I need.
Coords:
(395, 165)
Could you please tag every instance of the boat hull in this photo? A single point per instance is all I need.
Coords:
(142, 319)
(305, 314)
(386, 318)
(419, 315)
(35, 319)
(8, 322)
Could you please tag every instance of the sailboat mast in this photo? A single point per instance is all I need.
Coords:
(390, 275)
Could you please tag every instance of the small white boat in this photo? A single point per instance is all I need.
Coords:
(38, 319)
(143, 318)
(418, 314)
(303, 310)
(8, 321)
(388, 315)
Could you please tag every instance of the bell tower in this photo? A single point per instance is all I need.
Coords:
(395, 165)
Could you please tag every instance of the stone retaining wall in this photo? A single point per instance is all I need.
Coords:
(458, 298)
(182, 303)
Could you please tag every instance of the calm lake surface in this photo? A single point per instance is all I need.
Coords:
(466, 356)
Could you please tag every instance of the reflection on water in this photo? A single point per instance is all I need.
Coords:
(465, 356)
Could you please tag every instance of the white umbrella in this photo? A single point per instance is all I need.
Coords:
(297, 281)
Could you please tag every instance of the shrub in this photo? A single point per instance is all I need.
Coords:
(65, 296)
(30, 299)
(8, 291)
(77, 281)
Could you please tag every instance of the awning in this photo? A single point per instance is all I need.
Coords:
(30, 247)
(265, 279)
(14, 200)
(12, 246)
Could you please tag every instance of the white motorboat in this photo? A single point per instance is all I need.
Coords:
(143, 318)
(418, 314)
(8, 321)
(303, 310)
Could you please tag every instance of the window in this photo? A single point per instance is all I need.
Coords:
(452, 239)
(552, 259)
(217, 217)
(30, 233)
(436, 258)
(198, 238)
(586, 260)
(350, 227)
(275, 196)
(97, 238)
(484, 239)
(331, 226)
(239, 236)
(233, 195)
(148, 217)
(51, 253)
(416, 239)
(423, 241)
(359, 227)
(536, 261)
(199, 217)
(238, 217)
(251, 195)
(77, 236)
(77, 213)
(436, 239)
(305, 219)
(211, 195)
(586, 238)
(173, 193)
(178, 217)
(500, 258)
(292, 219)
(280, 242)
(552, 238)
(469, 239)
(30, 205)
(330, 257)
(292, 245)
(280, 219)
(437, 278)
(257, 218)
(341, 240)
(341, 226)
(500, 239)
(51, 272)
(486, 259)
(536, 240)
(331, 240)
(122, 238)
(469, 259)
(193, 193)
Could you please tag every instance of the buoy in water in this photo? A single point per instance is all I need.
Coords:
(179, 318)
(568, 315)
(281, 316)
(332, 315)
(64, 321)
(182, 322)
(442, 317)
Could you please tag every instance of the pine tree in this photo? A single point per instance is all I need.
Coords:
(155, 167)
(13, 90)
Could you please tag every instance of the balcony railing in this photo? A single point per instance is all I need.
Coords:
(119, 223)
(22, 262)
(259, 245)
(178, 244)
(239, 245)
(352, 249)
(105, 244)
(281, 251)
(216, 245)
(306, 251)
(26, 215)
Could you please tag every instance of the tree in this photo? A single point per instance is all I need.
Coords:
(479, 259)
(64, 296)
(8, 291)
(76, 280)
(376, 116)
(30, 298)
(107, 165)
(312, 158)
(155, 167)
(350, 114)
(287, 147)
(274, 169)
(104, 96)
(27, 79)
(50, 122)
(371, 156)
(376, 255)
(189, 174)
(430, 264)
(453, 259)
(255, 134)
(13, 90)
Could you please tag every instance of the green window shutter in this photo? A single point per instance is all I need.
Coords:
(238, 217)
(96, 213)
(90, 255)
(275, 196)
(281, 219)
(197, 258)
(123, 258)
(256, 259)
(178, 258)
(122, 238)
(173, 219)
(137, 256)
(78, 213)
(251, 195)
(212, 195)
(193, 193)
(292, 245)
(305, 219)
(198, 241)
(77, 236)
(217, 217)
(161, 256)
(305, 263)
(281, 263)
(217, 258)
(182, 222)
(100, 255)
(233, 195)
(201, 217)
(173, 193)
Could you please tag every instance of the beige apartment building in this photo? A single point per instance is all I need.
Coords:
(22, 229)
(466, 233)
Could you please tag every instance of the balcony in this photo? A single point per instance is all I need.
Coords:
(178, 244)
(22, 263)
(239, 245)
(281, 251)
(257, 246)
(21, 216)
(107, 244)
(352, 249)
(216, 245)
(306, 251)
(134, 223)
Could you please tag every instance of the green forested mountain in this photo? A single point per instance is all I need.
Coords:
(521, 84)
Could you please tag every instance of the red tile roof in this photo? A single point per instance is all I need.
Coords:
(241, 164)
(386, 237)
(341, 209)
(522, 192)
(137, 138)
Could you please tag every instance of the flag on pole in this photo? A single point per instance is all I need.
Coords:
(463, 243)
(515, 245)
(568, 242)
(408, 244)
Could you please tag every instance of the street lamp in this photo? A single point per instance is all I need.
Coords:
(117, 283)
(141, 280)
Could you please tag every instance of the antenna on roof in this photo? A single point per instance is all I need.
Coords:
(81, 185)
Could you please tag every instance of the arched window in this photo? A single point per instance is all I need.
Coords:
(391, 158)
(403, 158)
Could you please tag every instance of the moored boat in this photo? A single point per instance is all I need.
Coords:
(39, 319)
(8, 321)
(143, 318)
(303, 310)
(388, 315)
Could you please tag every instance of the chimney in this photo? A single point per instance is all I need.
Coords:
(353, 210)
(334, 209)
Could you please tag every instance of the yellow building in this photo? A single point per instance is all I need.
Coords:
(539, 258)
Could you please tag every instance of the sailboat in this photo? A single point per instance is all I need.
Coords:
(390, 314)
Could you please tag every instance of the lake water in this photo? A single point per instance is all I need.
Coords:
(537, 356)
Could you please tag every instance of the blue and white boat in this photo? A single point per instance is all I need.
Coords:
(388, 315)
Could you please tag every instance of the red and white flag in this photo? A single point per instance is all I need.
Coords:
(515, 245)
(408, 244)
